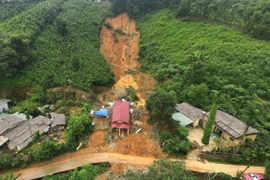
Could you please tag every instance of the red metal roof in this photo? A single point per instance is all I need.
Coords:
(120, 116)
(120, 125)
(253, 176)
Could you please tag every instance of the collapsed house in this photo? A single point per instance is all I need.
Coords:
(17, 132)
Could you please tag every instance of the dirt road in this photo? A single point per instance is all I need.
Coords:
(72, 163)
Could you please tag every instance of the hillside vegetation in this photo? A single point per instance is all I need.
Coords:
(54, 43)
(69, 49)
(197, 61)
(253, 17)
(18, 34)
(9, 9)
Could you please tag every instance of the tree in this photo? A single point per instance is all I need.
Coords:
(10, 177)
(209, 124)
(267, 169)
(61, 26)
(162, 169)
(79, 126)
(161, 105)
(198, 95)
(175, 143)
(197, 72)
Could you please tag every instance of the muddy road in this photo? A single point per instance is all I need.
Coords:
(68, 164)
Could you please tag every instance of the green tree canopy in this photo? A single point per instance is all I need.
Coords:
(161, 105)
(79, 126)
(267, 169)
(209, 125)
(162, 169)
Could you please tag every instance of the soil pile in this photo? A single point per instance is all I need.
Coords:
(139, 145)
(97, 139)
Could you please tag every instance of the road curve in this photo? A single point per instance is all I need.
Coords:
(48, 168)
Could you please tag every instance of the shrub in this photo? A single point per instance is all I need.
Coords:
(234, 159)
(108, 25)
(119, 31)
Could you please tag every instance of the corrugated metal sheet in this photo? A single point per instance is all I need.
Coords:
(232, 125)
(189, 111)
(22, 133)
(182, 119)
(3, 140)
(120, 117)
(8, 122)
(58, 120)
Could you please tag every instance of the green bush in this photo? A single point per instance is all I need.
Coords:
(132, 93)
(119, 31)
(234, 159)
(161, 169)
(224, 176)
(108, 25)
(88, 171)
(175, 143)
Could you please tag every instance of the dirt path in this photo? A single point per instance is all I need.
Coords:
(71, 163)
(120, 47)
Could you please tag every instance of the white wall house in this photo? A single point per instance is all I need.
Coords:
(3, 105)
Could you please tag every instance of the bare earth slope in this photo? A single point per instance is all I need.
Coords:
(120, 47)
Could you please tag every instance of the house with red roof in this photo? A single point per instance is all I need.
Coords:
(120, 115)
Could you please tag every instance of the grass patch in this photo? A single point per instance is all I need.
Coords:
(250, 163)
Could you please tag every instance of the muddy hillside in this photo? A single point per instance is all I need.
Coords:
(120, 47)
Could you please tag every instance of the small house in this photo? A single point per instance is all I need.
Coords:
(187, 115)
(120, 115)
(232, 129)
(58, 122)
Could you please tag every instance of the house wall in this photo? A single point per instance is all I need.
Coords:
(203, 120)
(196, 123)
(253, 137)
(3, 106)
(235, 142)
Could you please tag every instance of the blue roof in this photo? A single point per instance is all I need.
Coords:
(183, 120)
(103, 112)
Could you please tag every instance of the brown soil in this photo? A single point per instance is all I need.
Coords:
(139, 145)
(79, 94)
(121, 52)
(17, 93)
(117, 168)
(97, 139)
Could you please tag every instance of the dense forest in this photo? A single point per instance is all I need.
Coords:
(12, 8)
(37, 46)
(253, 17)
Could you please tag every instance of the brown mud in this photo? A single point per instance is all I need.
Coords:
(120, 47)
